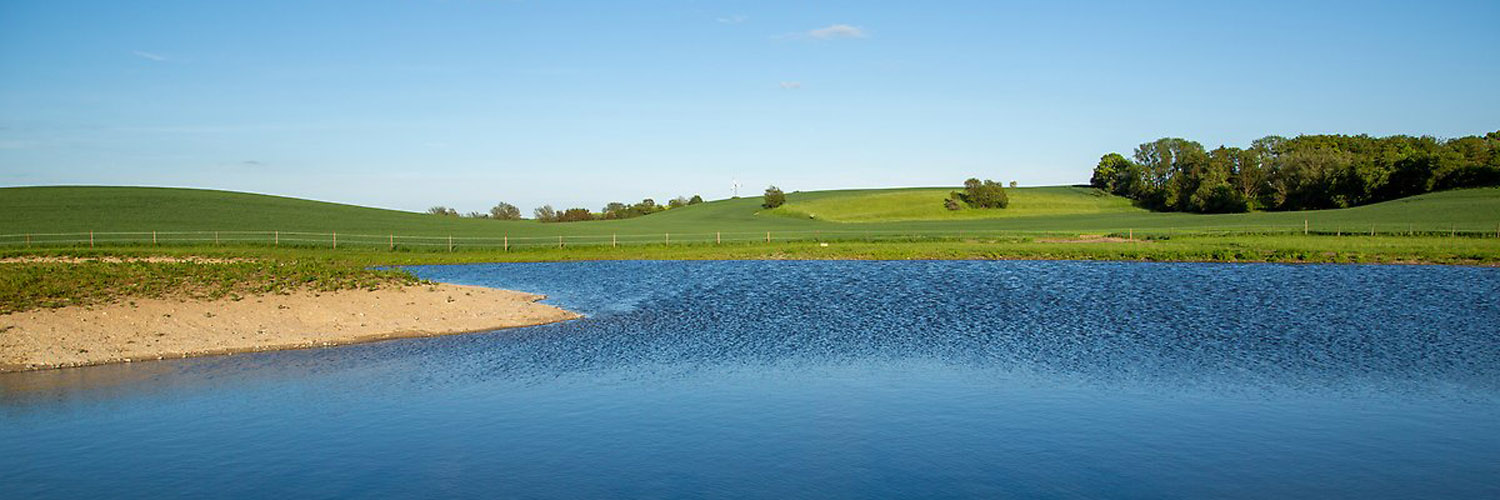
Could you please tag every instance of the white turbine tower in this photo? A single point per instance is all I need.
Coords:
(735, 187)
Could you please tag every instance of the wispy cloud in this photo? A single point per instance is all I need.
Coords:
(790, 85)
(837, 31)
(148, 55)
(734, 19)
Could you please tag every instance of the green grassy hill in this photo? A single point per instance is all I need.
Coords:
(926, 204)
(1061, 210)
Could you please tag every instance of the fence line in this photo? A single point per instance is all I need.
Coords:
(504, 242)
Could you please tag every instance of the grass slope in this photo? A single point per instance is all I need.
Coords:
(1057, 210)
(926, 204)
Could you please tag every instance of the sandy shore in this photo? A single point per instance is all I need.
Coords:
(150, 329)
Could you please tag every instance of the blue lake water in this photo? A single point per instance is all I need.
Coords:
(827, 379)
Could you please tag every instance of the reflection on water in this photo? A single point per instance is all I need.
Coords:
(828, 379)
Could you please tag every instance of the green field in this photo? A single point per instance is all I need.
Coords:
(189, 215)
(1458, 227)
(926, 204)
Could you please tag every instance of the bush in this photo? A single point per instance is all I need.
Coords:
(442, 210)
(695, 200)
(951, 202)
(985, 194)
(575, 215)
(774, 198)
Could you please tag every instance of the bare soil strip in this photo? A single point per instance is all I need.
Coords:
(150, 329)
(1089, 238)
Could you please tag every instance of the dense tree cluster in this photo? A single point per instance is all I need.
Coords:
(978, 194)
(1302, 173)
(575, 215)
(773, 198)
(613, 210)
(442, 210)
(617, 210)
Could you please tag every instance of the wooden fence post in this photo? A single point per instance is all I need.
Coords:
(1131, 233)
(450, 243)
(559, 241)
(277, 238)
(91, 239)
(1305, 227)
(216, 238)
(393, 242)
(28, 241)
(669, 239)
(506, 243)
(718, 238)
(1372, 230)
(335, 240)
(614, 240)
(768, 236)
(153, 238)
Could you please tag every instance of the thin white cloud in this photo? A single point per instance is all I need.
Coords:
(790, 85)
(837, 31)
(734, 19)
(148, 55)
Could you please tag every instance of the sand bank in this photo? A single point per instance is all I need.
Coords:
(150, 329)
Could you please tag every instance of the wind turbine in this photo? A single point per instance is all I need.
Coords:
(735, 186)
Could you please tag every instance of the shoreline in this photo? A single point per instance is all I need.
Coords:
(155, 329)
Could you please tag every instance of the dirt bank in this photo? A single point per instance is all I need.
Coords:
(150, 329)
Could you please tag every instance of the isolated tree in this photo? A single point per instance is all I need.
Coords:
(1013, 184)
(545, 213)
(477, 215)
(505, 211)
(442, 210)
(677, 202)
(773, 198)
(951, 202)
(983, 194)
(695, 200)
(1111, 169)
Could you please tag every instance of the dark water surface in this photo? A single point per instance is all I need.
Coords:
(827, 379)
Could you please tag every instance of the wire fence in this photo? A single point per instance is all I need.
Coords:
(393, 241)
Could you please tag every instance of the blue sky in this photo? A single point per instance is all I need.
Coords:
(407, 104)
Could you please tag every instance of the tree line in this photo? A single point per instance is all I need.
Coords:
(545, 213)
(1306, 172)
